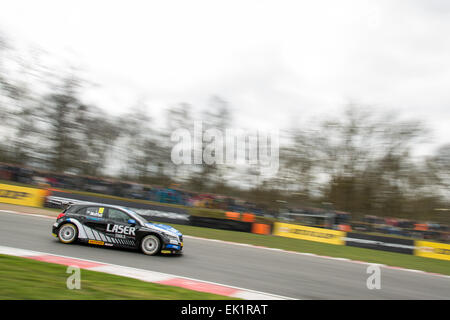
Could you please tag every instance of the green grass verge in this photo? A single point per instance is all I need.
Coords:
(374, 256)
(22, 278)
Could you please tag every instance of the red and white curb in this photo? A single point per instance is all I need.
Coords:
(144, 275)
(278, 250)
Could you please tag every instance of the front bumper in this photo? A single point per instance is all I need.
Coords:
(172, 248)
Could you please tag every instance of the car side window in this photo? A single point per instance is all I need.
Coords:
(117, 215)
(96, 212)
(80, 211)
(72, 209)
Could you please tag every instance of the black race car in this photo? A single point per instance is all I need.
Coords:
(115, 226)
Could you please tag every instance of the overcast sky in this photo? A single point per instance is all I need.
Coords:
(276, 62)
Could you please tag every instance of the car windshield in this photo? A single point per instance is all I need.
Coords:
(135, 215)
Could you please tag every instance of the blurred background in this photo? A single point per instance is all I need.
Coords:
(90, 94)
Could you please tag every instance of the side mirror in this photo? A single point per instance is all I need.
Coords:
(132, 221)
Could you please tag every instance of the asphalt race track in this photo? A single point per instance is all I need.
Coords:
(275, 272)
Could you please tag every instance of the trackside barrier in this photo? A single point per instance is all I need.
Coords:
(245, 222)
(309, 233)
(232, 215)
(25, 196)
(432, 250)
(383, 243)
(261, 228)
(224, 224)
(248, 217)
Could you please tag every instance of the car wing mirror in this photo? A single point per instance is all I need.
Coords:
(132, 221)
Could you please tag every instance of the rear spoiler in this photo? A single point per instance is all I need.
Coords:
(63, 203)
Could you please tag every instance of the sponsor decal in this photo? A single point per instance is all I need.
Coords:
(95, 212)
(121, 229)
(24, 196)
(11, 194)
(433, 250)
(100, 243)
(309, 233)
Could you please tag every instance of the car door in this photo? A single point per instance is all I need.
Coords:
(96, 222)
(119, 227)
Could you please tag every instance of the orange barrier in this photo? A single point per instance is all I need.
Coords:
(260, 228)
(232, 215)
(421, 227)
(345, 227)
(248, 217)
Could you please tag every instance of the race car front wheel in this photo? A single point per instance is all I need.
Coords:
(150, 245)
(67, 233)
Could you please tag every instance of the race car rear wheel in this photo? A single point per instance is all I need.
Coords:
(67, 233)
(150, 245)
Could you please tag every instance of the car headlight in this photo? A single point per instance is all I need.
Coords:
(172, 239)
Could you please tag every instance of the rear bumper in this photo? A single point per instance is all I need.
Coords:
(55, 230)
